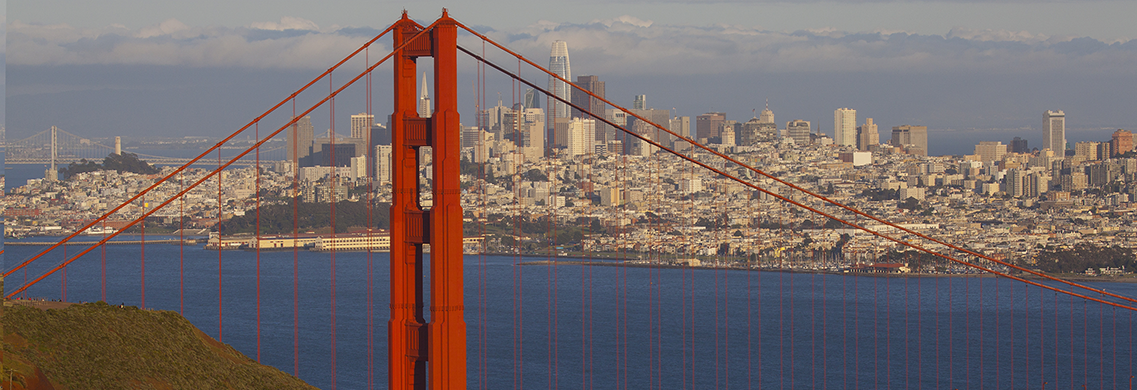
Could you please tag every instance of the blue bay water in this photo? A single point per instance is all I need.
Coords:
(572, 326)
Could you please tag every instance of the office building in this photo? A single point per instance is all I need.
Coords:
(640, 103)
(681, 125)
(1086, 151)
(532, 98)
(581, 136)
(845, 127)
(1054, 131)
(1120, 143)
(799, 131)
(867, 135)
(989, 151)
(766, 116)
(361, 125)
(592, 84)
(559, 65)
(526, 128)
(707, 126)
(300, 138)
(1019, 145)
(383, 164)
(907, 136)
(491, 118)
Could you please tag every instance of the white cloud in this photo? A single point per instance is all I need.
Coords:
(289, 44)
(615, 46)
(169, 27)
(286, 23)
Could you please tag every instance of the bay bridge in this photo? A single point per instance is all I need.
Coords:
(59, 147)
(574, 324)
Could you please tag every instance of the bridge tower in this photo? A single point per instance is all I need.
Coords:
(52, 174)
(421, 353)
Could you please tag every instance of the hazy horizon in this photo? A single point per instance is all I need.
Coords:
(172, 71)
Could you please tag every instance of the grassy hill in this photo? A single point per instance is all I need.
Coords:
(99, 346)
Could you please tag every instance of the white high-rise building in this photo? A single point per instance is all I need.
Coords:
(383, 164)
(358, 168)
(424, 100)
(581, 134)
(845, 127)
(361, 124)
(767, 116)
(1054, 131)
(559, 65)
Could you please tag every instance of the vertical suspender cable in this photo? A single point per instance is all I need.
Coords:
(142, 251)
(181, 249)
(257, 199)
(63, 278)
(103, 278)
(295, 247)
(220, 215)
(370, 198)
(334, 181)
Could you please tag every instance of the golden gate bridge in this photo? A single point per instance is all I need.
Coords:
(427, 324)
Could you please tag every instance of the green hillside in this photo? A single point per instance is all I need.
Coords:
(99, 346)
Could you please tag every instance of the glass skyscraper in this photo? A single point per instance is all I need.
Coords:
(559, 65)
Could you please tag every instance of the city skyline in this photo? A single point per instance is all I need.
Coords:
(110, 92)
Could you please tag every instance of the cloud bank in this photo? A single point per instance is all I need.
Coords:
(618, 46)
(291, 43)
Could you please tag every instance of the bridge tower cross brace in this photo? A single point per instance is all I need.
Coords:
(419, 350)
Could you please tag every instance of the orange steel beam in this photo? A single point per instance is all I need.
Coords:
(418, 350)
(788, 200)
(791, 185)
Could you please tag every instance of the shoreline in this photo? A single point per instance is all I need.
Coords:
(1109, 279)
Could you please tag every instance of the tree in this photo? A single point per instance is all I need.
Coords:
(125, 162)
(128, 162)
(910, 204)
(535, 175)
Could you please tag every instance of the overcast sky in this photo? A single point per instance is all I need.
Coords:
(969, 70)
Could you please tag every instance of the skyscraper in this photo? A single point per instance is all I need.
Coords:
(640, 103)
(300, 138)
(1054, 131)
(532, 99)
(867, 135)
(845, 127)
(798, 130)
(559, 65)
(1120, 143)
(361, 124)
(581, 136)
(383, 164)
(1019, 145)
(911, 136)
(766, 116)
(580, 98)
(526, 127)
(708, 125)
(424, 100)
